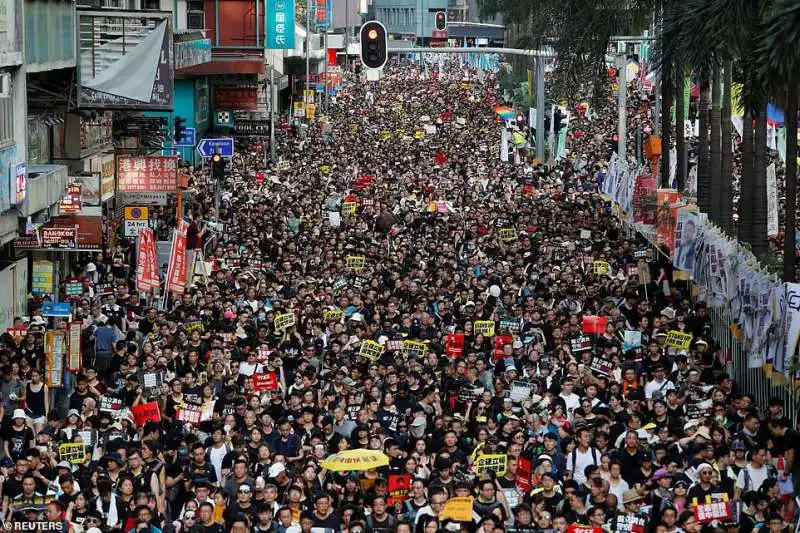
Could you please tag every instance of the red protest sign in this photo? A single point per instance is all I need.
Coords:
(711, 511)
(595, 324)
(259, 177)
(262, 382)
(146, 411)
(499, 342)
(399, 487)
(523, 477)
(455, 345)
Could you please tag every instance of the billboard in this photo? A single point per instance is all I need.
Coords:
(147, 174)
(125, 60)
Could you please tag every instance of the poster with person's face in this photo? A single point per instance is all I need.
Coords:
(686, 243)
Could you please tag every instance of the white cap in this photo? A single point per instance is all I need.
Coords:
(19, 413)
(276, 469)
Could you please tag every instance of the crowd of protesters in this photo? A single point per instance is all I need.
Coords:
(393, 219)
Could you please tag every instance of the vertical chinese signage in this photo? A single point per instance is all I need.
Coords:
(323, 10)
(280, 24)
(21, 178)
(176, 271)
(55, 347)
(74, 346)
(147, 174)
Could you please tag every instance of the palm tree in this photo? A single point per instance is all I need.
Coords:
(715, 198)
(726, 144)
(779, 61)
(759, 196)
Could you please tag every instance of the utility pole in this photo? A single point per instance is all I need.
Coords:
(540, 108)
(346, 35)
(622, 103)
(325, 85)
(308, 54)
(272, 92)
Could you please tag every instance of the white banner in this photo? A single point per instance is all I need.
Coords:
(791, 328)
(772, 202)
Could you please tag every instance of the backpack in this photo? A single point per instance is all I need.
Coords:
(772, 473)
(575, 458)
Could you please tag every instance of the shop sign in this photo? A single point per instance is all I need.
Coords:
(147, 174)
(60, 238)
(236, 97)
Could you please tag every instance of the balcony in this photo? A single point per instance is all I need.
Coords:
(46, 186)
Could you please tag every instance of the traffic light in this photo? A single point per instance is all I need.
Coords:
(441, 21)
(373, 44)
(217, 167)
(559, 117)
(179, 129)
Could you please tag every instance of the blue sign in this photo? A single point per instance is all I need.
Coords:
(188, 138)
(191, 53)
(209, 147)
(280, 24)
(56, 309)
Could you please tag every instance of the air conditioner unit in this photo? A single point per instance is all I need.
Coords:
(5, 85)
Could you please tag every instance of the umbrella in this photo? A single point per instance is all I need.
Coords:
(506, 113)
(350, 460)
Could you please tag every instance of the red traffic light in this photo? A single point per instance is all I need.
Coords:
(441, 21)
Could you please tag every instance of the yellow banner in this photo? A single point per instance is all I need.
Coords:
(484, 327)
(497, 462)
(678, 340)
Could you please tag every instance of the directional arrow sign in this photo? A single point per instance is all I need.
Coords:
(188, 138)
(209, 147)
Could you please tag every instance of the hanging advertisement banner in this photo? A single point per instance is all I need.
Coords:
(280, 24)
(147, 174)
(136, 75)
(176, 271)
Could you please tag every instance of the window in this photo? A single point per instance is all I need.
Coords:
(6, 119)
(195, 15)
(151, 4)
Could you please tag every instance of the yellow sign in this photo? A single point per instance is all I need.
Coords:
(601, 268)
(75, 453)
(497, 463)
(284, 165)
(137, 213)
(678, 340)
(484, 327)
(348, 208)
(508, 234)
(354, 128)
(458, 509)
(332, 314)
(284, 321)
(310, 110)
(414, 348)
(371, 350)
(356, 262)
(419, 135)
(386, 134)
(325, 169)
